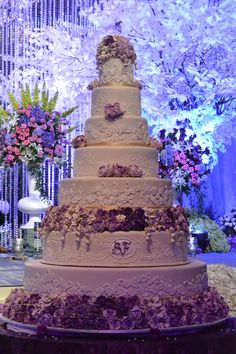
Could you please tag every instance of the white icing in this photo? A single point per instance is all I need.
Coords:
(87, 160)
(115, 71)
(116, 192)
(160, 250)
(121, 131)
(129, 99)
(163, 281)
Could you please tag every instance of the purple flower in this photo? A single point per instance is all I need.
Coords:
(38, 114)
(109, 313)
(8, 139)
(45, 319)
(127, 323)
(112, 111)
(48, 139)
(24, 120)
(114, 323)
(99, 226)
(79, 141)
(72, 300)
(38, 131)
(101, 323)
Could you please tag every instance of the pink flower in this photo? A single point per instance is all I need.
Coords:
(58, 150)
(182, 155)
(10, 159)
(40, 154)
(177, 157)
(26, 142)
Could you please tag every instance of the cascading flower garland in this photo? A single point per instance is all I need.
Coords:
(33, 132)
(112, 312)
(181, 159)
(85, 222)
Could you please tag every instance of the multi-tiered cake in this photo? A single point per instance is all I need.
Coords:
(115, 249)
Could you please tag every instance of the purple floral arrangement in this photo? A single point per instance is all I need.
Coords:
(114, 313)
(86, 222)
(181, 158)
(115, 46)
(112, 111)
(79, 141)
(117, 170)
(34, 132)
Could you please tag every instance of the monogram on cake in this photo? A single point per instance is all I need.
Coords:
(115, 249)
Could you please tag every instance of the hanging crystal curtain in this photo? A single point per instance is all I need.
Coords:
(20, 21)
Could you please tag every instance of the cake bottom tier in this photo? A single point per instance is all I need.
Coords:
(114, 299)
(45, 279)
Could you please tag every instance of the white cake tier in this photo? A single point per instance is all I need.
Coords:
(129, 99)
(123, 131)
(116, 249)
(88, 159)
(53, 280)
(116, 192)
(115, 71)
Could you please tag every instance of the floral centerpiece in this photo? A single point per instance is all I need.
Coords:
(33, 132)
(181, 159)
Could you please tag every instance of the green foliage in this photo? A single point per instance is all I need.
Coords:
(44, 99)
(69, 111)
(218, 240)
(36, 95)
(3, 115)
(52, 103)
(25, 96)
(13, 101)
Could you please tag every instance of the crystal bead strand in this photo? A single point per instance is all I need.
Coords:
(6, 237)
(15, 200)
(56, 185)
(1, 200)
(11, 205)
(51, 182)
(24, 190)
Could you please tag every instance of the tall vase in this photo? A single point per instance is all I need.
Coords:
(33, 204)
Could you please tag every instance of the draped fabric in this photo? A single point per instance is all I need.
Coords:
(221, 184)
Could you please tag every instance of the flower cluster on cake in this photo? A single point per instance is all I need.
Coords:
(33, 132)
(115, 248)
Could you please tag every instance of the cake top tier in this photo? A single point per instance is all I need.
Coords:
(115, 47)
(115, 61)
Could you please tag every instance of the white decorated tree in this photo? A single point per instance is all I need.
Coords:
(185, 53)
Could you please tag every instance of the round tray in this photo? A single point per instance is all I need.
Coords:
(55, 331)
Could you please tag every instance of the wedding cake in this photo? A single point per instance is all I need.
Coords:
(115, 249)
